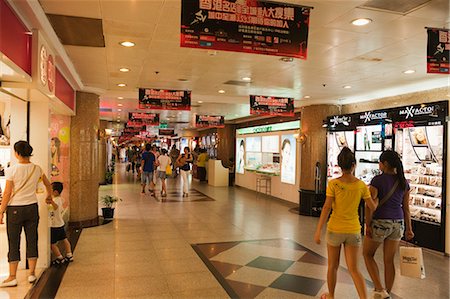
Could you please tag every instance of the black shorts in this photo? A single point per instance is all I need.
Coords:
(57, 234)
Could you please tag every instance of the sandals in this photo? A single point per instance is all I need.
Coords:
(325, 296)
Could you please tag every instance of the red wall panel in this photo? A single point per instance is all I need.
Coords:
(15, 40)
(64, 91)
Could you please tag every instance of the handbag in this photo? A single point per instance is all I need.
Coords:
(411, 262)
(169, 169)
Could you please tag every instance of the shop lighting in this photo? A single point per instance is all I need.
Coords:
(361, 22)
(200, 102)
(119, 110)
(120, 105)
(287, 59)
(124, 69)
(307, 97)
(221, 91)
(120, 98)
(127, 44)
(347, 86)
(246, 79)
(409, 72)
(121, 85)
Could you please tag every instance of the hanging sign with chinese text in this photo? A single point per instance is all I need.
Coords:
(209, 121)
(248, 26)
(438, 51)
(262, 105)
(148, 119)
(161, 99)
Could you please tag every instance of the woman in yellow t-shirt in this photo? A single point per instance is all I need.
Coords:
(344, 195)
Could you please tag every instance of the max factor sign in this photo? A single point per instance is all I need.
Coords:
(413, 111)
(370, 116)
(337, 120)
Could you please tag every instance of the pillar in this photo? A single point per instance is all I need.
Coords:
(84, 164)
(102, 159)
(313, 143)
(226, 145)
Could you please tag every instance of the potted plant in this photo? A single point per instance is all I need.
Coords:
(108, 201)
(109, 177)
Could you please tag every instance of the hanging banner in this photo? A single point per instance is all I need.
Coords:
(438, 51)
(166, 132)
(161, 99)
(209, 121)
(149, 119)
(262, 105)
(248, 26)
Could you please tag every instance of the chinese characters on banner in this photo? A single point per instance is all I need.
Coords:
(249, 26)
(166, 132)
(262, 105)
(438, 51)
(160, 99)
(209, 121)
(139, 119)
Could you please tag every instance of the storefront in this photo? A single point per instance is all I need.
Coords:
(419, 134)
(267, 159)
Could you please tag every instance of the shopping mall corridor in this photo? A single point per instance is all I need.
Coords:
(147, 252)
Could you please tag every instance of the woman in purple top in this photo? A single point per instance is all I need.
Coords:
(387, 224)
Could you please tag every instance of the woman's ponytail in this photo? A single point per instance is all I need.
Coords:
(400, 173)
(393, 159)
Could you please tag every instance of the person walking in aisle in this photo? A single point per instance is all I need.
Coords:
(21, 206)
(162, 162)
(387, 224)
(174, 154)
(147, 168)
(343, 196)
(201, 164)
(184, 162)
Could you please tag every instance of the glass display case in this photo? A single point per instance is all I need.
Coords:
(335, 142)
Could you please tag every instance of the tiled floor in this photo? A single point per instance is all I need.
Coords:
(146, 252)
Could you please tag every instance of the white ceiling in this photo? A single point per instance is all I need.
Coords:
(369, 58)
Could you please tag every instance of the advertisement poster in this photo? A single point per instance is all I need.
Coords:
(209, 121)
(288, 159)
(253, 144)
(149, 119)
(248, 26)
(166, 132)
(60, 156)
(270, 144)
(438, 51)
(161, 99)
(262, 105)
(240, 155)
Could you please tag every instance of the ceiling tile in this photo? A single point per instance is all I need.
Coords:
(87, 9)
(133, 11)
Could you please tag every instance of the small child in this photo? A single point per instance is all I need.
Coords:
(57, 226)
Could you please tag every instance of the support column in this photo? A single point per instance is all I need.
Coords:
(84, 164)
(226, 146)
(314, 143)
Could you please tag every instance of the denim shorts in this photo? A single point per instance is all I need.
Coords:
(337, 239)
(161, 174)
(146, 177)
(383, 229)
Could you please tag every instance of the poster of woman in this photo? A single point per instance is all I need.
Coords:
(240, 152)
(288, 159)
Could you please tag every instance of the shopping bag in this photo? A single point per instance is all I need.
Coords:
(169, 170)
(411, 262)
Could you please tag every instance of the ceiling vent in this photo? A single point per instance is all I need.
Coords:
(78, 31)
(237, 83)
(403, 7)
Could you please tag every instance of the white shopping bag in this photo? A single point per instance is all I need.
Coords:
(411, 262)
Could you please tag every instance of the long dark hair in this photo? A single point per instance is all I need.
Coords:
(393, 159)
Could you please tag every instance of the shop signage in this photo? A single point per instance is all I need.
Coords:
(209, 121)
(438, 51)
(148, 119)
(166, 132)
(249, 26)
(163, 126)
(262, 105)
(161, 99)
(340, 120)
(291, 125)
(413, 111)
(44, 70)
(373, 116)
(137, 123)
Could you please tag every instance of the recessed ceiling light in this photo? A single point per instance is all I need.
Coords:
(247, 79)
(347, 86)
(287, 59)
(409, 72)
(361, 21)
(120, 98)
(121, 85)
(200, 102)
(307, 97)
(118, 121)
(119, 110)
(120, 105)
(221, 91)
(124, 69)
(127, 44)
